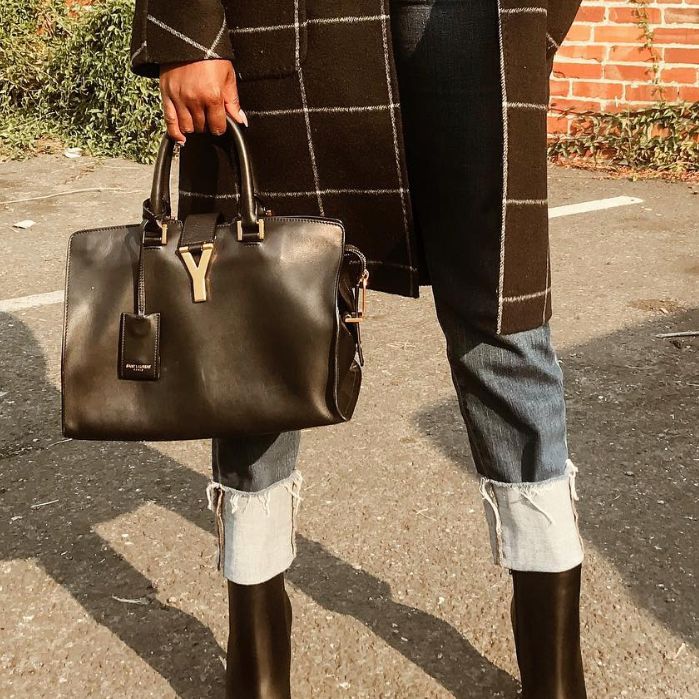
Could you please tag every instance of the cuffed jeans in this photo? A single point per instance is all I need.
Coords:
(509, 387)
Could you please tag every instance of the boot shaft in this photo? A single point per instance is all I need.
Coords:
(259, 643)
(546, 623)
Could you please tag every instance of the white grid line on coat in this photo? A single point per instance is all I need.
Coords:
(536, 106)
(183, 37)
(527, 202)
(505, 153)
(547, 283)
(138, 51)
(523, 11)
(526, 297)
(552, 41)
(304, 104)
(394, 128)
(217, 39)
(307, 22)
(322, 110)
(299, 194)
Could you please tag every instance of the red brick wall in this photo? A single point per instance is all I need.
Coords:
(605, 63)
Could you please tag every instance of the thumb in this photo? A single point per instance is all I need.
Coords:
(232, 101)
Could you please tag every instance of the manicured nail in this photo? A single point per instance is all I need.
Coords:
(243, 117)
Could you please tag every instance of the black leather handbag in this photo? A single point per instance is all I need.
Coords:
(206, 328)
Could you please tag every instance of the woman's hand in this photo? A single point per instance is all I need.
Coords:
(198, 95)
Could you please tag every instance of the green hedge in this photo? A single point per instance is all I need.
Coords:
(660, 138)
(64, 76)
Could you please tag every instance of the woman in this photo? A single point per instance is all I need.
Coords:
(423, 126)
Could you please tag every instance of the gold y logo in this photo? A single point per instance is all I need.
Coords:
(198, 272)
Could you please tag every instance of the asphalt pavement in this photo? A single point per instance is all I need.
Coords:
(107, 580)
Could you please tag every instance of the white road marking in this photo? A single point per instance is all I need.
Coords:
(24, 302)
(595, 205)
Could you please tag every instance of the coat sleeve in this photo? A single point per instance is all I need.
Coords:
(561, 14)
(168, 32)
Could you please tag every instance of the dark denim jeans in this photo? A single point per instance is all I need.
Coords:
(509, 387)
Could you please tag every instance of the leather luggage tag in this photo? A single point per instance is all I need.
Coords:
(139, 347)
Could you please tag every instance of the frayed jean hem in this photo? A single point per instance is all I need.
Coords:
(255, 531)
(534, 526)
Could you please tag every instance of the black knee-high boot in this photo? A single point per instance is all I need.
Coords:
(546, 622)
(259, 642)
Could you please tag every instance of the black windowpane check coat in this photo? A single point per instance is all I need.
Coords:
(317, 80)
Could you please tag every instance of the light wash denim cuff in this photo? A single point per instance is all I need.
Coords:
(256, 531)
(534, 526)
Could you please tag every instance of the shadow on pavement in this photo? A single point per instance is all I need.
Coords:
(95, 482)
(633, 411)
(338, 587)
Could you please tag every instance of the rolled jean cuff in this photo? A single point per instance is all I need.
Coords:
(256, 531)
(534, 526)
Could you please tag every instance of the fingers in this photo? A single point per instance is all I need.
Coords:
(172, 122)
(197, 111)
(197, 97)
(232, 101)
(184, 116)
(177, 117)
(216, 117)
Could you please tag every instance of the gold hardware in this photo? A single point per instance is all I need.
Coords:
(163, 234)
(260, 228)
(198, 272)
(363, 282)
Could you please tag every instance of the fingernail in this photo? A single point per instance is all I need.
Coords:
(243, 116)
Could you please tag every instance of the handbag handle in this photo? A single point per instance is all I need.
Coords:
(250, 226)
